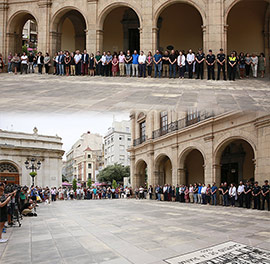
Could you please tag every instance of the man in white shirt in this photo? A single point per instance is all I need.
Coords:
(77, 59)
(190, 61)
(240, 193)
(24, 61)
(203, 192)
(142, 67)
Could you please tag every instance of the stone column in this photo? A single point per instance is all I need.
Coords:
(146, 26)
(55, 42)
(44, 26)
(214, 32)
(217, 174)
(151, 168)
(99, 40)
(174, 164)
(155, 39)
(181, 176)
(132, 169)
(3, 28)
(91, 34)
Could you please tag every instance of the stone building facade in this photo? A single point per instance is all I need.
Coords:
(241, 25)
(178, 148)
(17, 147)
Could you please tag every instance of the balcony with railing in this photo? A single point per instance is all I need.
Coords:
(190, 119)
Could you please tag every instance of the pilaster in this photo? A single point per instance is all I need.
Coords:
(3, 27)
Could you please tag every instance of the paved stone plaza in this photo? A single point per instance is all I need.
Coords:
(54, 94)
(129, 231)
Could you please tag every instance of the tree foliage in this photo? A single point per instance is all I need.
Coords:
(89, 182)
(115, 172)
(74, 184)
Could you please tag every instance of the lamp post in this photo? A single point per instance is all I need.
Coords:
(33, 165)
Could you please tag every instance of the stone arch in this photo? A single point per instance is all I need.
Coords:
(192, 163)
(68, 29)
(102, 16)
(15, 28)
(9, 171)
(249, 34)
(119, 27)
(165, 25)
(234, 159)
(163, 169)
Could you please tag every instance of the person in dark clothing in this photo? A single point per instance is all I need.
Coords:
(248, 190)
(200, 57)
(210, 61)
(265, 195)
(221, 62)
(256, 191)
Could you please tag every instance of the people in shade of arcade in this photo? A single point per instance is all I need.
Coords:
(137, 64)
(248, 195)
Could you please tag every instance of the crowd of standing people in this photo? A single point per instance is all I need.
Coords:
(169, 64)
(242, 195)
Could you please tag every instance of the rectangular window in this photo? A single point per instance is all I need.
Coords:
(89, 165)
(164, 121)
(89, 156)
(142, 131)
(89, 175)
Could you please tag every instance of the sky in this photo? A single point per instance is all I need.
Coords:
(68, 126)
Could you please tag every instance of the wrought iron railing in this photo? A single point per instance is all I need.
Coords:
(189, 120)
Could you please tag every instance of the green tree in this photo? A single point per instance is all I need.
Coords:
(24, 48)
(115, 172)
(74, 184)
(89, 182)
(114, 184)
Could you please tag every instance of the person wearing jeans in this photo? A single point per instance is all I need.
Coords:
(10, 57)
(158, 64)
(214, 194)
(200, 194)
(142, 66)
(135, 64)
(195, 193)
(181, 62)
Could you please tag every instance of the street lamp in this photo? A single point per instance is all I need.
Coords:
(33, 165)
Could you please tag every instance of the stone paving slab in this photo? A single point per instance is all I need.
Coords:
(129, 231)
(58, 94)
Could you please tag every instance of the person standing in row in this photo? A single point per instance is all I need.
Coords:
(67, 60)
(103, 61)
(248, 196)
(149, 64)
(157, 64)
(115, 65)
(85, 62)
(232, 194)
(248, 64)
(31, 62)
(210, 61)
(61, 58)
(190, 62)
(256, 191)
(98, 63)
(200, 57)
(92, 64)
(77, 60)
(128, 63)
(72, 65)
(221, 62)
(240, 193)
(24, 60)
(214, 194)
(10, 56)
(181, 62)
(121, 59)
(232, 64)
(254, 65)
(135, 64)
(242, 64)
(172, 65)
(40, 62)
(47, 62)
(16, 61)
(262, 64)
(165, 64)
(142, 67)
(266, 195)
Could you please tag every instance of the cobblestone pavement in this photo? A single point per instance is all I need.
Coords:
(129, 231)
(54, 94)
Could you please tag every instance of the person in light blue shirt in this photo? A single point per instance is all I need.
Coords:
(135, 64)
(158, 64)
(200, 193)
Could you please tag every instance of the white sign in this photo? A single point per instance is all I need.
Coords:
(229, 253)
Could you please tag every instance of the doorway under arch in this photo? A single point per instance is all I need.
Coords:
(121, 30)
(172, 32)
(9, 173)
(163, 168)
